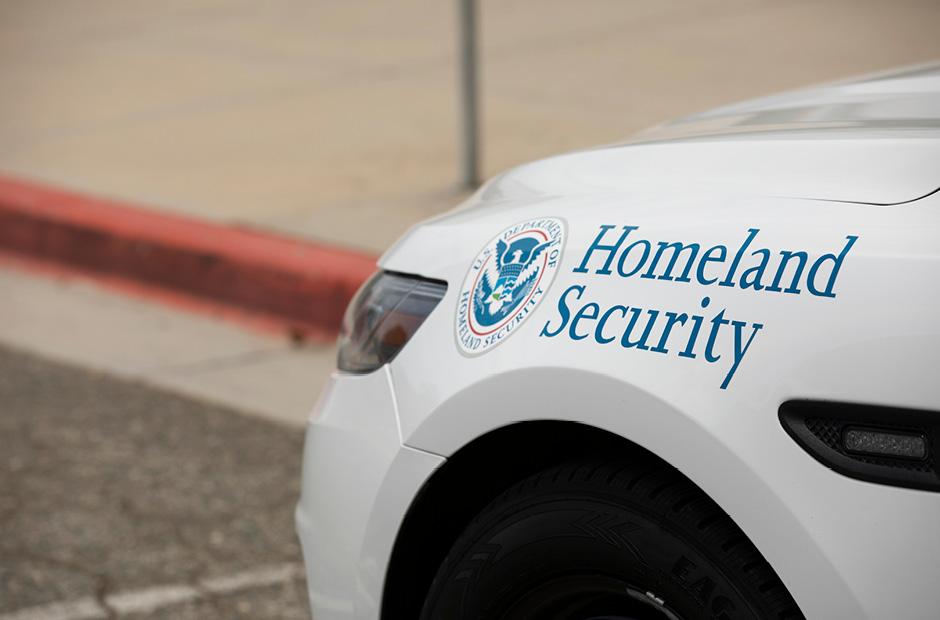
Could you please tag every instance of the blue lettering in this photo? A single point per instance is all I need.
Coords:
(599, 332)
(836, 266)
(589, 311)
(610, 249)
(563, 311)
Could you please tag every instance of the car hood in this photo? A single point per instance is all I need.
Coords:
(874, 140)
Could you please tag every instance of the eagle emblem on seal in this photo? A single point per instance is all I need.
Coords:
(507, 278)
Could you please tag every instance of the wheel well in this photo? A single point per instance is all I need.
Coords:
(468, 481)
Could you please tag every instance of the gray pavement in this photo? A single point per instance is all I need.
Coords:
(122, 497)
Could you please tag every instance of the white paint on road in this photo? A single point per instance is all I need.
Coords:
(265, 576)
(148, 600)
(80, 609)
(151, 599)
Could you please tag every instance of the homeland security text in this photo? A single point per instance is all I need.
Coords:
(614, 253)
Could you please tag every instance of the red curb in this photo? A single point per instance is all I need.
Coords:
(302, 285)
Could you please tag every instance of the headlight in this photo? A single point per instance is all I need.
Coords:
(382, 317)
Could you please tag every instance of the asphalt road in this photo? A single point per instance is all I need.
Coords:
(120, 500)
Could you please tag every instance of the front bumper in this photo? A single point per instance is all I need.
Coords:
(358, 481)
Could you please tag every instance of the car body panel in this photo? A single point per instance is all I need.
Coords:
(874, 342)
(850, 167)
(358, 483)
(844, 548)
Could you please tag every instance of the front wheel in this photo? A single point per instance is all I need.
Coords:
(605, 541)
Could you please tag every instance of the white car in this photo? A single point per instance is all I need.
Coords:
(692, 376)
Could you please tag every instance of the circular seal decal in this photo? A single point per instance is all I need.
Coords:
(506, 282)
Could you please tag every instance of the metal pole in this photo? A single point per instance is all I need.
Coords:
(469, 104)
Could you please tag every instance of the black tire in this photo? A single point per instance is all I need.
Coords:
(605, 540)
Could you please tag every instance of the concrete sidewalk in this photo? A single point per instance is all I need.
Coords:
(76, 321)
(337, 120)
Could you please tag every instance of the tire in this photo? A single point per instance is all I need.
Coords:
(610, 541)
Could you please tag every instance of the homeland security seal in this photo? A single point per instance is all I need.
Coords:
(506, 282)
